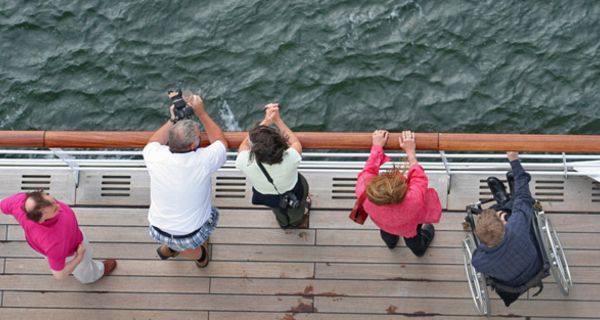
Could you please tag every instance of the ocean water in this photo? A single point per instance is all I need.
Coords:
(334, 65)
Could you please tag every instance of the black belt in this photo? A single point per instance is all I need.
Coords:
(166, 234)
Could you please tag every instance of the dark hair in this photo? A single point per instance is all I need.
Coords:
(268, 144)
(40, 202)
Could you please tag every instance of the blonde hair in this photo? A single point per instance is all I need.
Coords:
(489, 228)
(387, 188)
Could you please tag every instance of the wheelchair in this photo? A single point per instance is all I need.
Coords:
(549, 248)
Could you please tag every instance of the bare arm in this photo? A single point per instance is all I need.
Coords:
(162, 134)
(273, 115)
(408, 144)
(245, 145)
(267, 121)
(71, 265)
(213, 130)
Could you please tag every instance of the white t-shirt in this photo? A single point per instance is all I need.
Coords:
(284, 174)
(180, 186)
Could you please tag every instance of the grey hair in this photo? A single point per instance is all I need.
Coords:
(181, 135)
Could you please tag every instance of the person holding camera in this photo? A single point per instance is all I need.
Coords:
(181, 214)
(269, 157)
(400, 205)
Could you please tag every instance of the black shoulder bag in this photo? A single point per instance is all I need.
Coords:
(287, 199)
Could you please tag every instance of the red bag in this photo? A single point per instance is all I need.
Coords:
(358, 213)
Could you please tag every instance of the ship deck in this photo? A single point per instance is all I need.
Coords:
(336, 269)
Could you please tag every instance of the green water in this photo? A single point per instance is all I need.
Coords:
(442, 66)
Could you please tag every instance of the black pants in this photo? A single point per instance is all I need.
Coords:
(417, 244)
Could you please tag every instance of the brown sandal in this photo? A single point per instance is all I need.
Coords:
(164, 252)
(205, 256)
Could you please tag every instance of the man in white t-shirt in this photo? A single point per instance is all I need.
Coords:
(279, 186)
(181, 215)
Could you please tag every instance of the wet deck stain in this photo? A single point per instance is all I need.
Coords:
(411, 279)
(391, 309)
(303, 308)
(288, 317)
(421, 314)
(303, 235)
(308, 292)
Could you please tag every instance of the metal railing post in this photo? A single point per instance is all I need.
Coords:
(447, 167)
(445, 162)
(69, 161)
(565, 171)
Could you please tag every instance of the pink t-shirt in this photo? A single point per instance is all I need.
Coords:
(56, 238)
(420, 204)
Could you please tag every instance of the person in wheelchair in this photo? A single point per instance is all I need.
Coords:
(508, 250)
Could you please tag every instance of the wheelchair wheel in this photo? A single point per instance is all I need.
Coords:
(477, 281)
(556, 255)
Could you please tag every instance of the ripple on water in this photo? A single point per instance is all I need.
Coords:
(461, 66)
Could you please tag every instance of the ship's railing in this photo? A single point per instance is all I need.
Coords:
(452, 163)
(453, 153)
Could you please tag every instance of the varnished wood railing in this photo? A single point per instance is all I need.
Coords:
(319, 140)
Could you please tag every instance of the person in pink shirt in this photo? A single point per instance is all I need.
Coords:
(51, 229)
(399, 205)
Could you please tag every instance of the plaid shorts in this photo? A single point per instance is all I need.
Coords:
(191, 242)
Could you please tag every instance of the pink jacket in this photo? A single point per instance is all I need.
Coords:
(420, 204)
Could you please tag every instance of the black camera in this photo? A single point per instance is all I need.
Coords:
(182, 109)
(289, 200)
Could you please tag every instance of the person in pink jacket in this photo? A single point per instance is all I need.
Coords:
(399, 205)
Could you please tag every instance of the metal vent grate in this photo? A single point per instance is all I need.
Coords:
(595, 191)
(230, 187)
(116, 186)
(343, 188)
(550, 190)
(35, 182)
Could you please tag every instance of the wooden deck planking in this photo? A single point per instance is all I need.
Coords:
(435, 306)
(337, 237)
(341, 288)
(222, 315)
(579, 292)
(226, 235)
(334, 237)
(182, 268)
(95, 314)
(333, 254)
(153, 301)
(131, 284)
(372, 271)
(335, 270)
(258, 217)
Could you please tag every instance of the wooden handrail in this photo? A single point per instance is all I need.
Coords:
(319, 140)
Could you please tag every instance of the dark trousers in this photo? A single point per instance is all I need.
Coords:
(417, 244)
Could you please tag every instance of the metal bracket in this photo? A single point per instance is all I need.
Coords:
(565, 171)
(68, 160)
(447, 167)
